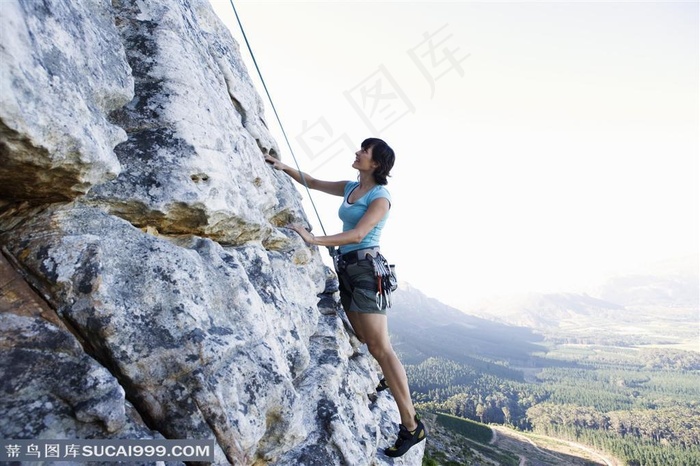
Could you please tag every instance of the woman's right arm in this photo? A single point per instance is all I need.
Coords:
(336, 188)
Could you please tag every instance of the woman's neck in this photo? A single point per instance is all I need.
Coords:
(367, 181)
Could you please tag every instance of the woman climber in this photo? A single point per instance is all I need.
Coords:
(364, 212)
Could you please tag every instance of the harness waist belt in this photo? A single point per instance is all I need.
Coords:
(361, 254)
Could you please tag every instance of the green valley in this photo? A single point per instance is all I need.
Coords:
(627, 395)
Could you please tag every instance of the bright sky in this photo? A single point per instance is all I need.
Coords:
(540, 146)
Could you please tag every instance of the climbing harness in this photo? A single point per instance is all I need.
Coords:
(384, 273)
(332, 250)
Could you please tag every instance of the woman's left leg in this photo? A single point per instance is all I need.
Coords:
(376, 335)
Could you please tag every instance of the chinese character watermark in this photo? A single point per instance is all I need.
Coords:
(435, 58)
(13, 451)
(379, 100)
(72, 450)
(51, 450)
(33, 450)
(319, 140)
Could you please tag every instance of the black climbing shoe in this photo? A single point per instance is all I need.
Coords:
(406, 439)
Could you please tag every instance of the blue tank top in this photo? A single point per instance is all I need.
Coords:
(351, 214)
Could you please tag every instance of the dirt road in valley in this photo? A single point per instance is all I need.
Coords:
(538, 450)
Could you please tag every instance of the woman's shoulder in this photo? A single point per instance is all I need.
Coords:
(380, 191)
(350, 185)
(381, 188)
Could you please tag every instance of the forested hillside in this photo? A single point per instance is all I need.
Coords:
(639, 404)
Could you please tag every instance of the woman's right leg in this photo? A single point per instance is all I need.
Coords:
(373, 328)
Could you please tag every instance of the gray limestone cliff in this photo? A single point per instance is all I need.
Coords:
(148, 287)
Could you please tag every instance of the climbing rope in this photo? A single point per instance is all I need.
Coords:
(279, 121)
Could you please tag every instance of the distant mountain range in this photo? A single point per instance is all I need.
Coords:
(673, 283)
(660, 287)
(423, 327)
(544, 311)
(658, 305)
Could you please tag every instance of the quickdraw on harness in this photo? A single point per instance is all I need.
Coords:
(386, 279)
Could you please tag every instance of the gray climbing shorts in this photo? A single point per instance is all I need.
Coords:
(358, 288)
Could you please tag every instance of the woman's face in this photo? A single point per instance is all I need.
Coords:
(363, 160)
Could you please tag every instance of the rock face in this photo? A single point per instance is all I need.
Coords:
(148, 287)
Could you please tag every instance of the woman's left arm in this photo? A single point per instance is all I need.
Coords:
(375, 213)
